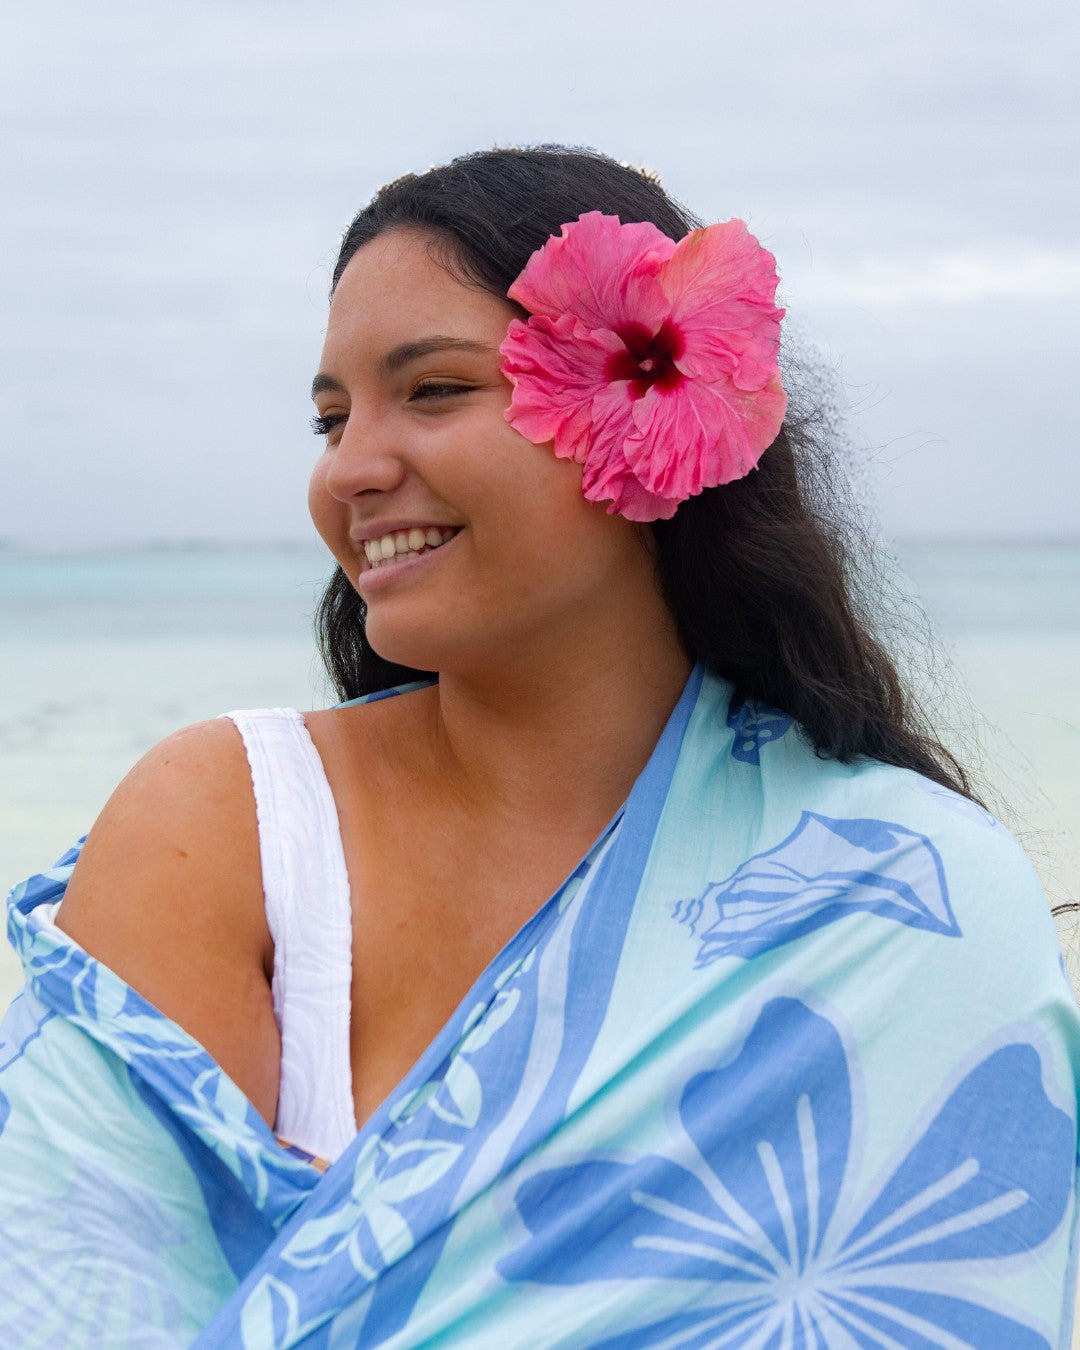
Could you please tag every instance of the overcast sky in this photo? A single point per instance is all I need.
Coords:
(176, 177)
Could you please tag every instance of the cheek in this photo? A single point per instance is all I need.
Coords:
(536, 485)
(327, 514)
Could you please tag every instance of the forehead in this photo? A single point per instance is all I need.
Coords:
(396, 289)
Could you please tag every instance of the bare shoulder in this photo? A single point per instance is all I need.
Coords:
(183, 819)
(168, 893)
(367, 734)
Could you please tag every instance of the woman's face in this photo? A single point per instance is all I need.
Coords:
(418, 453)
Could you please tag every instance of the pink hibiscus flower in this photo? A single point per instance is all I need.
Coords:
(650, 363)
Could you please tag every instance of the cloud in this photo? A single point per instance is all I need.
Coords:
(1027, 273)
(177, 179)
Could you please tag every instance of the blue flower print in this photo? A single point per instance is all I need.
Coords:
(754, 724)
(400, 1179)
(754, 1237)
(822, 871)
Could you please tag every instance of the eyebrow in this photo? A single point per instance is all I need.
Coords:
(401, 356)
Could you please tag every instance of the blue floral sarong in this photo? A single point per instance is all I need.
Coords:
(789, 1061)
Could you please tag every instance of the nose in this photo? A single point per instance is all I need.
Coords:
(364, 460)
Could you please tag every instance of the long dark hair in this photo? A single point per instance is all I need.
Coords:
(762, 575)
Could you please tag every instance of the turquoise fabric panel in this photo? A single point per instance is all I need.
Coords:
(106, 1238)
(790, 1060)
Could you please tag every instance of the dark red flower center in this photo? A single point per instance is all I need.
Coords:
(649, 358)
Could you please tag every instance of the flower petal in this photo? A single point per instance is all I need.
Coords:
(557, 368)
(607, 476)
(991, 1176)
(600, 271)
(271, 1314)
(779, 1145)
(650, 1219)
(917, 1318)
(611, 480)
(675, 431)
(698, 435)
(742, 1323)
(721, 285)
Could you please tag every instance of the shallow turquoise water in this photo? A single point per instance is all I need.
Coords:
(106, 652)
(998, 587)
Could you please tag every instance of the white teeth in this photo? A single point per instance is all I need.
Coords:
(401, 544)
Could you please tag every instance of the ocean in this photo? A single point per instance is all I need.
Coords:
(106, 651)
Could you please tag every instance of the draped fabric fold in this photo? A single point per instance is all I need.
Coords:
(789, 1060)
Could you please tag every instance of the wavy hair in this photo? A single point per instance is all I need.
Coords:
(770, 579)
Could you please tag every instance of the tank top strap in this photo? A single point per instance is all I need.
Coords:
(309, 915)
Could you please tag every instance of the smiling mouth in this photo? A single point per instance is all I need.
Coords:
(404, 544)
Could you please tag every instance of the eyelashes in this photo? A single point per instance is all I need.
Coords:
(323, 426)
(433, 389)
(425, 391)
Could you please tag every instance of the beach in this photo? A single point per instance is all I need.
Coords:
(106, 651)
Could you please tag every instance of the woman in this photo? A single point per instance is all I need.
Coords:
(647, 978)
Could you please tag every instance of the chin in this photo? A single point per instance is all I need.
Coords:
(416, 650)
(435, 648)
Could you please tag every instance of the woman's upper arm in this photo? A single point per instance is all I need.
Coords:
(168, 893)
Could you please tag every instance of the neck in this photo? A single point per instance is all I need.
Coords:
(560, 734)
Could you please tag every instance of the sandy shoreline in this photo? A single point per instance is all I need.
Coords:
(63, 766)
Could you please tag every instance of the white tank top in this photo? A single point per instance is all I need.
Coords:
(309, 915)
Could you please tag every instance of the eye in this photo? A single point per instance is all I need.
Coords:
(433, 389)
(323, 426)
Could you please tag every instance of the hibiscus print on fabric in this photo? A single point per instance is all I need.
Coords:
(822, 871)
(756, 1236)
(754, 724)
